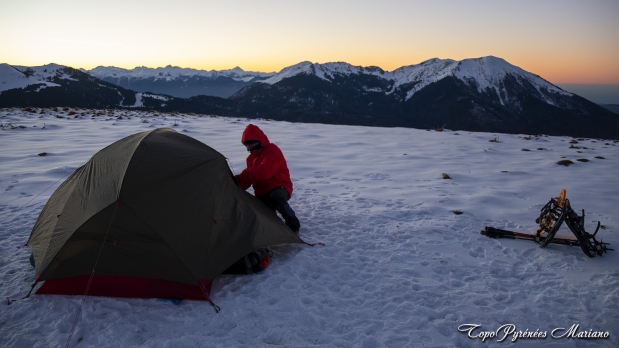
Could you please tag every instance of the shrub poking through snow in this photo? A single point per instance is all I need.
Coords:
(582, 160)
(458, 212)
(446, 176)
(566, 163)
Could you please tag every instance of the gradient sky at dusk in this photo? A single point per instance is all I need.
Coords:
(564, 41)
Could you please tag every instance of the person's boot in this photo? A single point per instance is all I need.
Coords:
(294, 224)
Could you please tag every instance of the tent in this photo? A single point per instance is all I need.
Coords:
(156, 214)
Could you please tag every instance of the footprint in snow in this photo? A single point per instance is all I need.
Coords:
(377, 176)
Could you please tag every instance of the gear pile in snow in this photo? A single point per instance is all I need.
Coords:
(557, 211)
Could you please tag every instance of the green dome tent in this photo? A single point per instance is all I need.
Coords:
(158, 214)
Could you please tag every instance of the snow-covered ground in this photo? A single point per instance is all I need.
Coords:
(399, 268)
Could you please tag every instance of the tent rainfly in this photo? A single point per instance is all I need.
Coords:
(156, 214)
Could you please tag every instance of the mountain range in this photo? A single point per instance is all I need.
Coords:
(481, 94)
(179, 82)
(57, 85)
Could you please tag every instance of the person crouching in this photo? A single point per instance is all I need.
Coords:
(268, 173)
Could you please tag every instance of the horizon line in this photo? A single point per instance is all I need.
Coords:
(329, 62)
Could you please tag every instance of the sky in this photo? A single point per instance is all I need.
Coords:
(564, 41)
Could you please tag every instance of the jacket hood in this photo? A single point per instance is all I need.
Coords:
(252, 132)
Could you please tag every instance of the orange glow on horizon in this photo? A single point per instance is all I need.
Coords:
(599, 71)
(564, 73)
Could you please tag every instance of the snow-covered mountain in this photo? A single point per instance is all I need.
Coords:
(58, 85)
(179, 82)
(173, 72)
(481, 94)
(326, 71)
(12, 77)
(482, 73)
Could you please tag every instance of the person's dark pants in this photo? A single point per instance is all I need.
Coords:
(277, 200)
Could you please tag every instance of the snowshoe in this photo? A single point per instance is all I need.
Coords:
(553, 214)
(551, 218)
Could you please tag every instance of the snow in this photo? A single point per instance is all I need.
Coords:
(244, 79)
(293, 70)
(486, 72)
(11, 78)
(325, 71)
(422, 74)
(48, 71)
(398, 268)
(156, 96)
(172, 72)
(374, 89)
(138, 101)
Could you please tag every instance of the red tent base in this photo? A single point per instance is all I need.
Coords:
(117, 286)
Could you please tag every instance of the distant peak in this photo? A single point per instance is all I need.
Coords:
(53, 65)
(304, 63)
(490, 59)
(171, 72)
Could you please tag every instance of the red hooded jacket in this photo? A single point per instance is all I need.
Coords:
(266, 167)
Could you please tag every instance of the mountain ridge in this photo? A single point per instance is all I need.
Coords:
(478, 94)
(179, 82)
(171, 71)
(421, 74)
